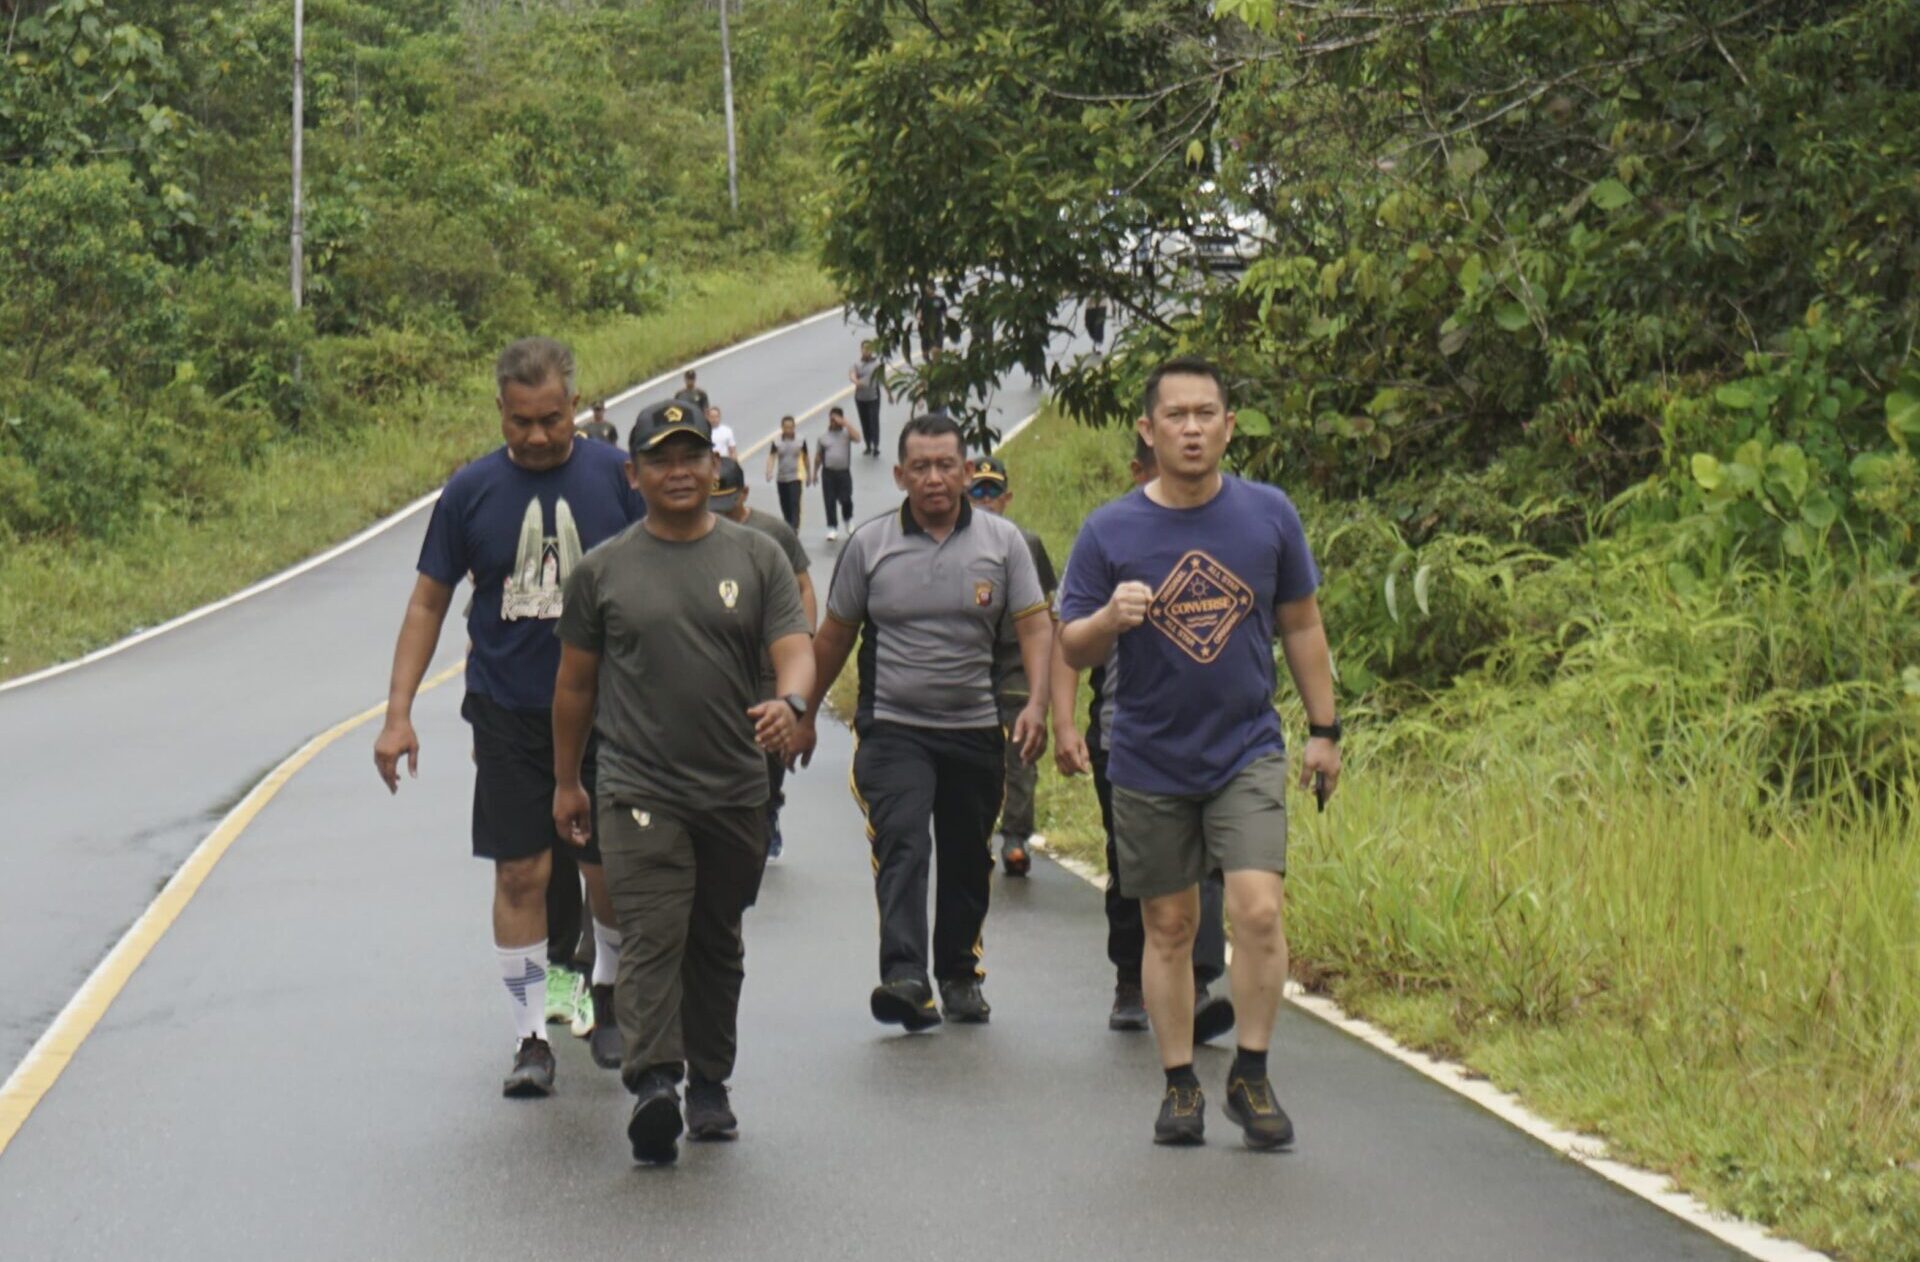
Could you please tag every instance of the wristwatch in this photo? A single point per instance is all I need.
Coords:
(1325, 731)
(796, 703)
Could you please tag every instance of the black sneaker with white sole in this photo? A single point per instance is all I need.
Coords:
(655, 1126)
(532, 1074)
(1251, 1106)
(1213, 1015)
(709, 1115)
(603, 1041)
(1183, 1117)
(963, 1002)
(906, 1003)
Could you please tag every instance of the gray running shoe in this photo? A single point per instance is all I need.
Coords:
(1129, 1008)
(532, 1075)
(709, 1116)
(1183, 1117)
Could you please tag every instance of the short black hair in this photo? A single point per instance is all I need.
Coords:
(931, 425)
(836, 410)
(1183, 366)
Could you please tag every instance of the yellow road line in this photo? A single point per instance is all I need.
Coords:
(35, 1075)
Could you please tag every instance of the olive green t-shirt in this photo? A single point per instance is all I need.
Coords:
(781, 533)
(680, 629)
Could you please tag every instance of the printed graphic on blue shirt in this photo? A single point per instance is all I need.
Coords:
(541, 564)
(1199, 605)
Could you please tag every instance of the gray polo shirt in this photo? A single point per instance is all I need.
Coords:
(929, 611)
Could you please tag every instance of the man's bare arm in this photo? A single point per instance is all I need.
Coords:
(419, 636)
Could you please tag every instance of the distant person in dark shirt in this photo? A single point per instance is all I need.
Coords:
(690, 391)
(600, 428)
(933, 320)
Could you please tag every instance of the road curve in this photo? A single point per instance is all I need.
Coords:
(311, 1056)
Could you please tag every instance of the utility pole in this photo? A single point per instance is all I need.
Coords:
(726, 82)
(299, 128)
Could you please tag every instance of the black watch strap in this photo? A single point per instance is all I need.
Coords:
(1325, 731)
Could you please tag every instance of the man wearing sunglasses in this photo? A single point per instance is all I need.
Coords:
(990, 489)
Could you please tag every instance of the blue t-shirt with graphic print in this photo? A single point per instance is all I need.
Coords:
(1193, 704)
(519, 534)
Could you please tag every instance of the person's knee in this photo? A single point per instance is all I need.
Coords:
(1170, 923)
(522, 882)
(1258, 915)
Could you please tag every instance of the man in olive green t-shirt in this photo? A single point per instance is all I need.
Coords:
(662, 635)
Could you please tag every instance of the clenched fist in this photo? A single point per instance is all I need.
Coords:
(1128, 607)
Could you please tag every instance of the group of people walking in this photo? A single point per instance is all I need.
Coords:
(646, 668)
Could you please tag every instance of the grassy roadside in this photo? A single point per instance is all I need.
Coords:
(1730, 994)
(64, 599)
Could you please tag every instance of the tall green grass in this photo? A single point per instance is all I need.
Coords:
(66, 598)
(1574, 872)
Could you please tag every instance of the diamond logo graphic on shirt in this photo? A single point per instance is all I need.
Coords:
(1199, 605)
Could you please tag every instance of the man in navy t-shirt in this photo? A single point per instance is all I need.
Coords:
(518, 521)
(1192, 576)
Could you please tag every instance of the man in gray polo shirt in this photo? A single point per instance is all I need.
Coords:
(926, 589)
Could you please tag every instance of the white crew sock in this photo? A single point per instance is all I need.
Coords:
(524, 969)
(606, 953)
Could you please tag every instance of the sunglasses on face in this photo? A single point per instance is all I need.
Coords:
(984, 490)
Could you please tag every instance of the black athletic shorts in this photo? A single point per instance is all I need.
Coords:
(513, 782)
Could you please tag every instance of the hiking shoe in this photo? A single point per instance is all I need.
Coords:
(1183, 1117)
(563, 993)
(709, 1116)
(1014, 856)
(1129, 1008)
(604, 1040)
(1251, 1106)
(1212, 1015)
(532, 1073)
(774, 843)
(963, 1001)
(905, 1003)
(654, 1129)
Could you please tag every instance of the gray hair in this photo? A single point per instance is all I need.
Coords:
(533, 362)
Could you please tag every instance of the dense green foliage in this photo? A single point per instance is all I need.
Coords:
(475, 172)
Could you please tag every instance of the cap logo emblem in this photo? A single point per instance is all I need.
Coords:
(674, 416)
(729, 592)
(983, 592)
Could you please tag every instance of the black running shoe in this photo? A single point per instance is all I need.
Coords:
(1251, 1106)
(963, 1001)
(905, 1003)
(1015, 857)
(532, 1073)
(604, 1040)
(1212, 1015)
(654, 1129)
(709, 1116)
(1183, 1117)
(1129, 1008)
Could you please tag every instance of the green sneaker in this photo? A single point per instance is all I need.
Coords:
(564, 990)
(583, 1015)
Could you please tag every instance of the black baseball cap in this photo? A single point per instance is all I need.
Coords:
(661, 421)
(729, 484)
(990, 469)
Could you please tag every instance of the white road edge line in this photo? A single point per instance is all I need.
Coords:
(378, 528)
(1591, 1152)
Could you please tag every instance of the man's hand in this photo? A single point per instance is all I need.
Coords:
(801, 744)
(573, 814)
(1322, 758)
(1070, 754)
(1030, 732)
(1127, 608)
(773, 725)
(396, 738)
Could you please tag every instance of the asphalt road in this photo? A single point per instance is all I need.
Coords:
(309, 1061)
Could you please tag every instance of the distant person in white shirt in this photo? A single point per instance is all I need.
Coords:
(724, 445)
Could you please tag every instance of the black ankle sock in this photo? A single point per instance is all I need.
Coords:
(1248, 1064)
(1183, 1076)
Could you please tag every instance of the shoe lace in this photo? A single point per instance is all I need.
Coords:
(1186, 1100)
(1259, 1094)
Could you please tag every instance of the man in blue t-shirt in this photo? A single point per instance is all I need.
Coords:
(1193, 576)
(518, 521)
